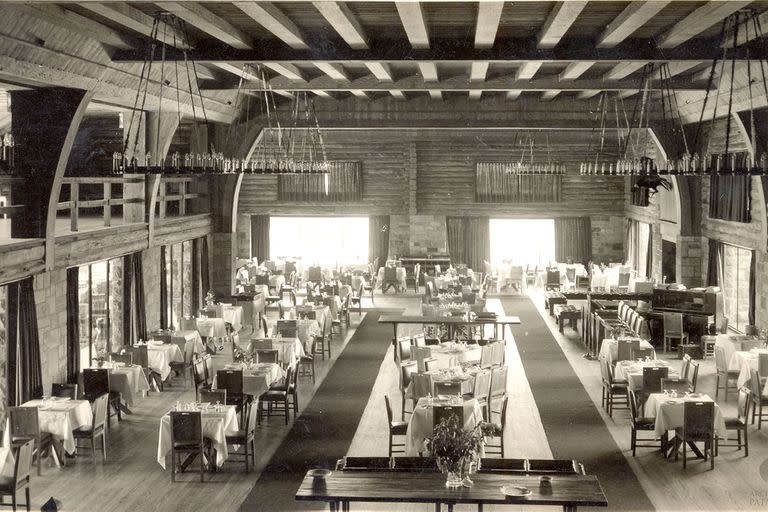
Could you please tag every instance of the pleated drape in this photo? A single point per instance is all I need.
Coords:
(205, 277)
(260, 237)
(469, 240)
(164, 306)
(378, 239)
(713, 265)
(729, 198)
(649, 254)
(454, 227)
(196, 271)
(134, 312)
(752, 286)
(73, 324)
(25, 376)
(573, 239)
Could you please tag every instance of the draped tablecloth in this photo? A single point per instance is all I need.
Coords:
(399, 271)
(161, 356)
(61, 416)
(604, 279)
(216, 426)
(256, 378)
(731, 344)
(321, 313)
(669, 412)
(233, 315)
(129, 381)
(451, 354)
(7, 460)
(744, 361)
(186, 337)
(213, 327)
(609, 349)
(632, 372)
(306, 329)
(288, 350)
(422, 422)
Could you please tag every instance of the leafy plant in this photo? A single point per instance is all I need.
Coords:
(453, 446)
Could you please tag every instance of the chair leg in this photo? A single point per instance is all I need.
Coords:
(717, 385)
(93, 448)
(246, 456)
(746, 443)
(26, 494)
(104, 446)
(13, 500)
(634, 441)
(685, 454)
(286, 410)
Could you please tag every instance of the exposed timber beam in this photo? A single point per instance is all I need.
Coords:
(285, 69)
(412, 18)
(588, 93)
(528, 69)
(134, 19)
(428, 71)
(623, 70)
(549, 95)
(335, 71)
(558, 22)
(360, 94)
(344, 22)
(575, 69)
(435, 94)
(488, 17)
(513, 94)
(634, 16)
(217, 27)
(274, 20)
(246, 75)
(380, 70)
(699, 20)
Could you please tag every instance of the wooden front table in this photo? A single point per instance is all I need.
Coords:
(343, 487)
(450, 321)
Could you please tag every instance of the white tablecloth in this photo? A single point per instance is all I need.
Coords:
(450, 354)
(216, 425)
(743, 362)
(160, 357)
(421, 423)
(399, 271)
(61, 417)
(233, 315)
(288, 350)
(731, 344)
(609, 349)
(604, 279)
(321, 312)
(213, 327)
(633, 372)
(128, 380)
(306, 329)
(256, 380)
(669, 413)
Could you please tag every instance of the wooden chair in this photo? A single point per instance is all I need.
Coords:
(624, 349)
(277, 395)
(25, 426)
(126, 358)
(685, 366)
(286, 329)
(694, 377)
(246, 437)
(141, 357)
(481, 390)
(490, 449)
(416, 277)
(396, 428)
(95, 384)
(499, 375)
(678, 385)
(553, 280)
(554, 466)
(403, 347)
(415, 464)
(9, 486)
(722, 372)
(232, 381)
(511, 466)
(266, 356)
(96, 429)
(184, 368)
(213, 396)
(652, 377)
(623, 283)
(364, 463)
(323, 341)
(673, 329)
(201, 381)
(759, 399)
(738, 423)
(209, 373)
(407, 371)
(356, 300)
(307, 362)
(447, 388)
(613, 392)
(390, 280)
(420, 340)
(641, 424)
(261, 344)
(698, 425)
(64, 390)
(186, 439)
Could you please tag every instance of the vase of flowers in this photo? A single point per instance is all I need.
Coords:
(210, 299)
(457, 450)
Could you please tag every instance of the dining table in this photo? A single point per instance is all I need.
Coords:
(128, 380)
(609, 348)
(451, 353)
(60, 416)
(161, 355)
(386, 486)
(289, 350)
(213, 327)
(743, 361)
(463, 375)
(632, 372)
(322, 315)
(452, 322)
(217, 422)
(421, 422)
(732, 343)
(668, 412)
(257, 377)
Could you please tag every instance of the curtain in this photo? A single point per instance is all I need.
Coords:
(629, 245)
(163, 288)
(649, 254)
(573, 239)
(454, 227)
(729, 198)
(752, 271)
(134, 313)
(713, 271)
(73, 325)
(196, 270)
(25, 376)
(260, 237)
(205, 278)
(378, 239)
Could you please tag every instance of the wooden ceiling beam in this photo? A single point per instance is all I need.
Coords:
(380, 70)
(398, 95)
(344, 22)
(412, 18)
(274, 20)
(134, 19)
(513, 94)
(701, 19)
(575, 69)
(335, 71)
(428, 71)
(250, 77)
(203, 19)
(558, 22)
(528, 69)
(587, 94)
(623, 70)
(549, 95)
(360, 94)
(436, 94)
(285, 69)
(488, 17)
(634, 16)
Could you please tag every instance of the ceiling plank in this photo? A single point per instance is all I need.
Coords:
(380, 70)
(698, 21)
(428, 71)
(558, 22)
(335, 71)
(623, 69)
(274, 20)
(289, 71)
(436, 94)
(549, 95)
(344, 22)
(513, 94)
(528, 69)
(634, 16)
(245, 75)
(412, 18)
(136, 20)
(488, 17)
(197, 15)
(575, 69)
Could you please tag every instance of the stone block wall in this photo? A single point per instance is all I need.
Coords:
(399, 235)
(427, 235)
(222, 270)
(150, 261)
(655, 271)
(608, 233)
(692, 260)
(243, 236)
(51, 306)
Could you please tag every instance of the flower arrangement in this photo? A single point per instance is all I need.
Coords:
(455, 449)
(210, 299)
(242, 356)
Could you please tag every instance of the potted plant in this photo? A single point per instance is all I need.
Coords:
(456, 449)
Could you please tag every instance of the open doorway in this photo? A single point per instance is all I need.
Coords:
(522, 241)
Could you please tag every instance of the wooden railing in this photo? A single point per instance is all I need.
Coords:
(176, 190)
(108, 199)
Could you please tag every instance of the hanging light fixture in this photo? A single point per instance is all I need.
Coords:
(531, 166)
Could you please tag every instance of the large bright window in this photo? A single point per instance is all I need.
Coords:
(639, 237)
(100, 300)
(326, 241)
(179, 269)
(734, 281)
(522, 241)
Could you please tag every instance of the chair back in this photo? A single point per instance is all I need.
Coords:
(314, 274)
(140, 355)
(64, 390)
(389, 409)
(694, 377)
(403, 349)
(100, 407)
(199, 371)
(407, 370)
(213, 396)
(421, 385)
(448, 388)
(421, 464)
(762, 364)
(652, 378)
(95, 382)
(364, 463)
(632, 399)
(698, 419)
(421, 354)
(417, 273)
(420, 340)
(623, 279)
(261, 344)
(231, 380)
(434, 364)
(641, 353)
(267, 356)
(23, 464)
(754, 383)
(742, 408)
(24, 422)
(390, 275)
(486, 355)
(625, 348)
(188, 324)
(441, 413)
(286, 328)
(673, 324)
(553, 277)
(686, 366)
(499, 380)
(188, 349)
(186, 428)
(679, 385)
(570, 274)
(482, 386)
(720, 363)
(126, 358)
(290, 267)
(208, 360)
(750, 330)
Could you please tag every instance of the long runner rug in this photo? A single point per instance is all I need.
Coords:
(324, 430)
(573, 425)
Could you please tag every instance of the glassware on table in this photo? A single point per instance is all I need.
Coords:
(674, 393)
(218, 406)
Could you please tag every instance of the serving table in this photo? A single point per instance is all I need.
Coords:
(451, 321)
(382, 486)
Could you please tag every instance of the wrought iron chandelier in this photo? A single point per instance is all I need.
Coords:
(530, 166)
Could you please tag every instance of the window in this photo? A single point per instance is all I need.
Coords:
(100, 292)
(522, 241)
(734, 281)
(637, 247)
(178, 276)
(327, 241)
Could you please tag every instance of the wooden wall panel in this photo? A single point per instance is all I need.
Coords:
(20, 259)
(100, 244)
(173, 230)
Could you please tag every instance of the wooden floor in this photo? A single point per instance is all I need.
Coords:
(132, 480)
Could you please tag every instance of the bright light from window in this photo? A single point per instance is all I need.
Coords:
(327, 241)
(522, 241)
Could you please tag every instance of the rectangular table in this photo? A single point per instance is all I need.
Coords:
(632, 372)
(421, 423)
(451, 321)
(609, 349)
(60, 417)
(257, 379)
(216, 425)
(381, 486)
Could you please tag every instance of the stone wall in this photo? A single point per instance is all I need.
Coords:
(150, 261)
(51, 304)
(608, 238)
(243, 236)
(692, 260)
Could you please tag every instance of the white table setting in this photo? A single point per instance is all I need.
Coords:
(609, 349)
(257, 377)
(452, 353)
(744, 361)
(632, 371)
(161, 355)
(668, 411)
(60, 416)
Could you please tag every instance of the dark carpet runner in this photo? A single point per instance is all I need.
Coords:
(324, 430)
(574, 427)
